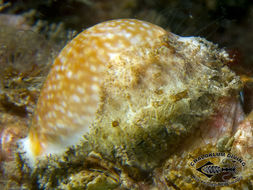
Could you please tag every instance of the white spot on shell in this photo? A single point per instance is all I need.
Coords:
(58, 77)
(142, 29)
(63, 67)
(64, 104)
(76, 98)
(61, 126)
(69, 114)
(95, 79)
(69, 74)
(136, 39)
(112, 55)
(146, 25)
(93, 68)
(57, 68)
(62, 109)
(95, 87)
(63, 59)
(80, 90)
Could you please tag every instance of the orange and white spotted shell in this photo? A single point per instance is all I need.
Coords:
(70, 97)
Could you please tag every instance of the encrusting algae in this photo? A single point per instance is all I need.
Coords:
(123, 97)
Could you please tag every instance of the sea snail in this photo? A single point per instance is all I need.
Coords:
(140, 83)
(70, 96)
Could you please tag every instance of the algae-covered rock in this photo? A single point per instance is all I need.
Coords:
(154, 97)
